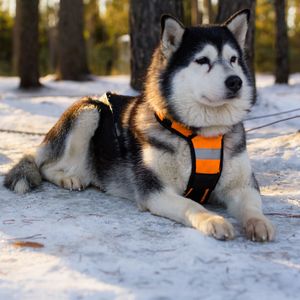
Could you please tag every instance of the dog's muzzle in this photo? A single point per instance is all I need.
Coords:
(233, 84)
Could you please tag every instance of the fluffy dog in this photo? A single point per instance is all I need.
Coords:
(198, 82)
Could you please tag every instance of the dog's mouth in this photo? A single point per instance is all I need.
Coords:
(221, 101)
(214, 103)
(231, 96)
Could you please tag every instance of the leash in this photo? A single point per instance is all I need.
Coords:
(269, 124)
(248, 119)
(272, 115)
(284, 215)
(22, 132)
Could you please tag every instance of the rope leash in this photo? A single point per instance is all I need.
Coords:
(248, 130)
(272, 115)
(284, 215)
(269, 124)
(22, 132)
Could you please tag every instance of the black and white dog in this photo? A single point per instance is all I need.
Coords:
(198, 79)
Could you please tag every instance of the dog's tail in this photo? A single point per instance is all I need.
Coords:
(24, 176)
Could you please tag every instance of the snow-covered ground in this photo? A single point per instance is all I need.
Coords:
(100, 247)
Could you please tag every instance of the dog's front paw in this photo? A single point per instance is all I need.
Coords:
(72, 183)
(259, 229)
(216, 226)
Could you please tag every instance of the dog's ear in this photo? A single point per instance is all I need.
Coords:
(171, 34)
(238, 25)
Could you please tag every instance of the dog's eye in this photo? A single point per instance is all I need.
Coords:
(233, 59)
(203, 61)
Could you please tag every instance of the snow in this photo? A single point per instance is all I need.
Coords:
(100, 247)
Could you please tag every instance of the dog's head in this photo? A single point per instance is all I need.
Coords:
(201, 73)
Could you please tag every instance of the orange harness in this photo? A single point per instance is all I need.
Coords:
(206, 158)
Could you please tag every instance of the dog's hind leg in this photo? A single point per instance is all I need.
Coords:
(72, 170)
(167, 203)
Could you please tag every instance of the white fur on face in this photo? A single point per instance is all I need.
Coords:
(199, 91)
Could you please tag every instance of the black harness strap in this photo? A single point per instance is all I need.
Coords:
(200, 184)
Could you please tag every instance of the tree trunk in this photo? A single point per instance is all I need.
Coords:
(228, 8)
(26, 43)
(145, 33)
(207, 12)
(92, 18)
(196, 15)
(72, 61)
(282, 43)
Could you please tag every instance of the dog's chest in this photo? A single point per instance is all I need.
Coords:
(172, 168)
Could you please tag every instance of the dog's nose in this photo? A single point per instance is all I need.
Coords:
(234, 83)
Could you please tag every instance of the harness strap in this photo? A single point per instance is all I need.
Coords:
(206, 159)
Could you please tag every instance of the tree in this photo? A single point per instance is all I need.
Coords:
(202, 12)
(228, 8)
(26, 43)
(145, 32)
(6, 34)
(196, 15)
(281, 44)
(207, 11)
(264, 37)
(72, 61)
(116, 23)
(294, 38)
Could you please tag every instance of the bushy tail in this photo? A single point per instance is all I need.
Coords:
(24, 176)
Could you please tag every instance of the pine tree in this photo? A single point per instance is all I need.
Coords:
(145, 32)
(282, 43)
(26, 43)
(72, 60)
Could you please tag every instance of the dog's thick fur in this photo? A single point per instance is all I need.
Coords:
(198, 78)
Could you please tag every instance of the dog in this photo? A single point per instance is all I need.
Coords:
(198, 88)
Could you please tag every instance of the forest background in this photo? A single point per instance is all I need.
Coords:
(106, 32)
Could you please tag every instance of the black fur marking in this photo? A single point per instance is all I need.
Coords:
(119, 104)
(104, 145)
(147, 181)
(109, 150)
(161, 145)
(254, 182)
(239, 139)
